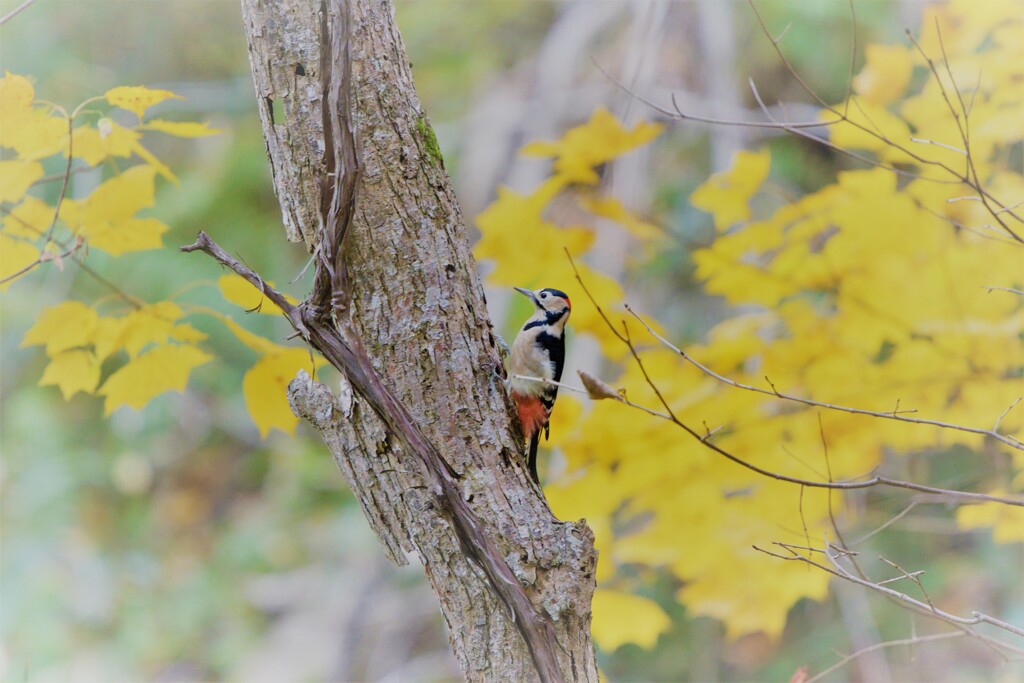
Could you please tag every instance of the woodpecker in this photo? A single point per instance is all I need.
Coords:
(538, 351)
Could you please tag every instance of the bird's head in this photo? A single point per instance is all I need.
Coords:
(548, 300)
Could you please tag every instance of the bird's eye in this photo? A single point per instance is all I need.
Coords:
(543, 295)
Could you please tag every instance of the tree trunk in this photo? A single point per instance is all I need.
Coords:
(415, 304)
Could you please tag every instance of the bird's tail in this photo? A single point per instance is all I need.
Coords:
(532, 458)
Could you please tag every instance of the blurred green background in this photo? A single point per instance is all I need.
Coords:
(172, 544)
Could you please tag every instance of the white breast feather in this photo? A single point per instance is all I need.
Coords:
(526, 359)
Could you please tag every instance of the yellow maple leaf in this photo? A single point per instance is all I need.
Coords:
(162, 368)
(133, 234)
(35, 135)
(514, 219)
(583, 148)
(16, 96)
(238, 291)
(31, 218)
(738, 279)
(138, 98)
(107, 216)
(107, 139)
(149, 324)
(265, 387)
(64, 326)
(886, 73)
(259, 344)
(72, 371)
(15, 255)
(612, 208)
(621, 618)
(726, 195)
(1006, 522)
(33, 132)
(154, 324)
(873, 128)
(181, 129)
(16, 177)
(118, 198)
(109, 336)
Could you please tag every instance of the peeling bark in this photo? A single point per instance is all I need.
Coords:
(397, 287)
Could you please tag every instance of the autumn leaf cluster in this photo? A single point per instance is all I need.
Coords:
(121, 348)
(893, 288)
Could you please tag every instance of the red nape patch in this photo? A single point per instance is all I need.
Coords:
(568, 304)
(532, 414)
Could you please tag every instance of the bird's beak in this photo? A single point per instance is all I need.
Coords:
(527, 293)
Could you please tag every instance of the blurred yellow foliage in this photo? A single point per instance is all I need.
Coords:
(137, 98)
(726, 194)
(1007, 523)
(16, 177)
(72, 371)
(646, 620)
(161, 349)
(265, 384)
(237, 290)
(265, 387)
(872, 292)
(584, 148)
(886, 73)
(162, 368)
(181, 129)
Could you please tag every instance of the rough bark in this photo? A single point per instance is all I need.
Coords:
(405, 291)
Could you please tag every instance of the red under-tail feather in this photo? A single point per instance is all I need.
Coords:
(534, 417)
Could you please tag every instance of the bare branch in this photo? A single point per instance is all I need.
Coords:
(913, 576)
(963, 624)
(903, 513)
(991, 288)
(60, 197)
(889, 415)
(881, 646)
(10, 15)
(943, 145)
(975, 618)
(876, 480)
(44, 257)
(853, 53)
(968, 177)
(1003, 414)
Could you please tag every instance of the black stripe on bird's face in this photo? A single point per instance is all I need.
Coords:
(550, 318)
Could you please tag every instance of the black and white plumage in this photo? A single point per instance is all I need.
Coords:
(538, 351)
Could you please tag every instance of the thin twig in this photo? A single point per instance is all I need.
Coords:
(44, 257)
(975, 618)
(1003, 414)
(14, 12)
(969, 177)
(889, 415)
(973, 182)
(890, 522)
(913, 576)
(881, 646)
(1004, 289)
(60, 197)
(876, 480)
(961, 623)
